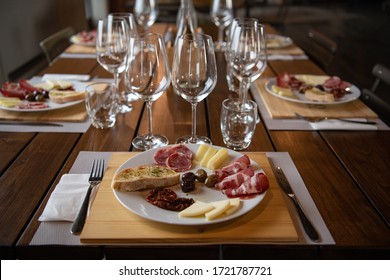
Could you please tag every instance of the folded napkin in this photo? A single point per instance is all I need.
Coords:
(74, 77)
(285, 57)
(340, 125)
(66, 199)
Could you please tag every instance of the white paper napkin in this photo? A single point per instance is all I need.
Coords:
(74, 77)
(66, 199)
(285, 57)
(340, 125)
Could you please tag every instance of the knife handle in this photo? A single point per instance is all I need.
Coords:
(307, 225)
(79, 222)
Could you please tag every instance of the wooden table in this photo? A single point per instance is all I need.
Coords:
(346, 173)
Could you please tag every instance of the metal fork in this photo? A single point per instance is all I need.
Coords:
(319, 119)
(95, 178)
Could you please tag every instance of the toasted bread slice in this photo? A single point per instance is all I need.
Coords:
(64, 96)
(145, 177)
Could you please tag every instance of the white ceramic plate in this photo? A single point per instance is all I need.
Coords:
(278, 41)
(75, 40)
(136, 202)
(78, 86)
(355, 93)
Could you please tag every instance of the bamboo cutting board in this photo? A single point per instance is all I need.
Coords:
(76, 113)
(110, 222)
(283, 109)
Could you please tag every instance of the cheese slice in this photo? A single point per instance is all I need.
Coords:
(283, 91)
(196, 209)
(45, 86)
(217, 159)
(200, 153)
(208, 155)
(220, 207)
(234, 205)
(9, 102)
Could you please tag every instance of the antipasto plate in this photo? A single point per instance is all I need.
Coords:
(277, 41)
(84, 38)
(136, 201)
(48, 104)
(303, 98)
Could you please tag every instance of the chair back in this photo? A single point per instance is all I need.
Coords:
(56, 43)
(323, 50)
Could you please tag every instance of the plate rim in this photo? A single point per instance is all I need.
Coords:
(271, 81)
(188, 221)
(287, 39)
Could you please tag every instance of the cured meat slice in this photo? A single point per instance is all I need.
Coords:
(256, 184)
(162, 155)
(167, 199)
(182, 149)
(232, 181)
(179, 162)
(244, 159)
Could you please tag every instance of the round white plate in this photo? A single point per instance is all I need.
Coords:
(136, 202)
(278, 41)
(355, 93)
(78, 86)
(75, 40)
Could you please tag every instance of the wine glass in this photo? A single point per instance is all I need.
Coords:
(125, 98)
(145, 12)
(111, 49)
(147, 75)
(247, 54)
(194, 75)
(221, 13)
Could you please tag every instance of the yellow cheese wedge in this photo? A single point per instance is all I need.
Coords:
(234, 205)
(283, 91)
(200, 153)
(45, 86)
(196, 209)
(220, 207)
(208, 155)
(217, 159)
(9, 102)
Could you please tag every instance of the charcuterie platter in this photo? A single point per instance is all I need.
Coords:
(137, 202)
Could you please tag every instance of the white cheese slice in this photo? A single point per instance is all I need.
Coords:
(217, 159)
(220, 207)
(200, 153)
(234, 205)
(208, 155)
(196, 209)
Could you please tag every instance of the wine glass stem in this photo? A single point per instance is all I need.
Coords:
(244, 86)
(150, 124)
(220, 34)
(116, 82)
(193, 135)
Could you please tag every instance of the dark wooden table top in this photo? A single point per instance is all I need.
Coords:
(346, 173)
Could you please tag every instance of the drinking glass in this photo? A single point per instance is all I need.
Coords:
(238, 122)
(247, 54)
(145, 12)
(194, 75)
(148, 76)
(125, 98)
(111, 49)
(100, 103)
(221, 13)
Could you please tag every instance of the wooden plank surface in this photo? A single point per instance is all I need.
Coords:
(269, 221)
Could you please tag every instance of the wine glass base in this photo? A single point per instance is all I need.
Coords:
(188, 139)
(147, 142)
(124, 108)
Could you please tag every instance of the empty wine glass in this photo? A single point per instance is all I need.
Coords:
(125, 98)
(221, 13)
(194, 75)
(148, 76)
(111, 48)
(247, 54)
(145, 12)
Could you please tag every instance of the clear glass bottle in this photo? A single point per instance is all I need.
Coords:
(186, 21)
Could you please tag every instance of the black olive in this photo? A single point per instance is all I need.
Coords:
(188, 176)
(30, 97)
(45, 94)
(187, 186)
(39, 97)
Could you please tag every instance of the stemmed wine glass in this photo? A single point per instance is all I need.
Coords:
(194, 75)
(221, 13)
(111, 49)
(124, 97)
(145, 12)
(247, 54)
(148, 76)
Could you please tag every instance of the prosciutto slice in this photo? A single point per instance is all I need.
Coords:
(256, 184)
(235, 167)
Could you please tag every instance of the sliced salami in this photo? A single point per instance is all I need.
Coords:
(182, 149)
(162, 155)
(179, 162)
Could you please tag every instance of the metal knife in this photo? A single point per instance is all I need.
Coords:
(29, 123)
(285, 186)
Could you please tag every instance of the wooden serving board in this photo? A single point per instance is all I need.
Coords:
(76, 113)
(283, 109)
(110, 222)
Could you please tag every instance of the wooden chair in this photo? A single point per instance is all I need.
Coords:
(378, 97)
(323, 49)
(55, 44)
